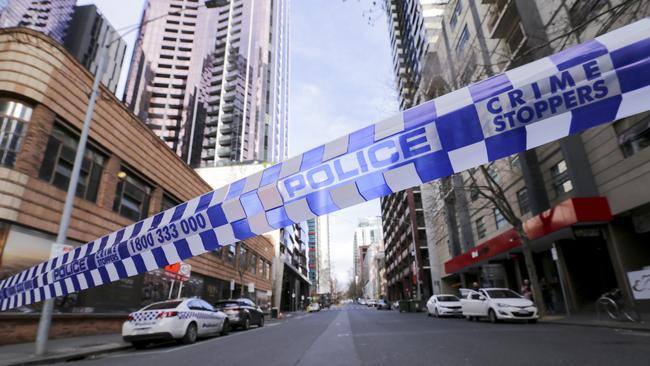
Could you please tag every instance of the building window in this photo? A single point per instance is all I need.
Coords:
(514, 162)
(480, 228)
(14, 117)
(522, 199)
(252, 264)
(494, 173)
(267, 270)
(499, 219)
(585, 9)
(455, 14)
(633, 134)
(473, 192)
(230, 253)
(243, 254)
(132, 197)
(462, 41)
(168, 202)
(560, 176)
(59, 160)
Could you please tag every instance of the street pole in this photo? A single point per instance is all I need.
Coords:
(48, 305)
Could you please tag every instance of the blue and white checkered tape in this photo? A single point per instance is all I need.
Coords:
(596, 82)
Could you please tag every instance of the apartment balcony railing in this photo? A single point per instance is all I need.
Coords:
(503, 15)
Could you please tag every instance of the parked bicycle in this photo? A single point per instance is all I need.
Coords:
(612, 304)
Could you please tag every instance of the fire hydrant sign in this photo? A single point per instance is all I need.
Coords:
(588, 85)
(178, 271)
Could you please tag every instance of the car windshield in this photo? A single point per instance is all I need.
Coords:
(227, 304)
(503, 294)
(163, 305)
(447, 298)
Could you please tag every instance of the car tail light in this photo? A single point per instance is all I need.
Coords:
(130, 318)
(166, 314)
(227, 309)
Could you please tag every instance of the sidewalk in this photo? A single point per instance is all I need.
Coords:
(591, 320)
(61, 350)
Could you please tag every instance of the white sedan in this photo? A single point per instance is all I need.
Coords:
(314, 306)
(184, 320)
(444, 305)
(498, 304)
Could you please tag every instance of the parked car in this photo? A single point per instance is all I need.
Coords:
(184, 320)
(395, 305)
(444, 305)
(371, 303)
(362, 302)
(498, 304)
(242, 313)
(383, 305)
(314, 306)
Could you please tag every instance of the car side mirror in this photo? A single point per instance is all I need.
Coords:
(481, 297)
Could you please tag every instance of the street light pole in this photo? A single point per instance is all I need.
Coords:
(48, 305)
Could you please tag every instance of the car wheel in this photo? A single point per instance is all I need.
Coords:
(469, 318)
(261, 323)
(225, 329)
(493, 316)
(247, 323)
(140, 344)
(190, 334)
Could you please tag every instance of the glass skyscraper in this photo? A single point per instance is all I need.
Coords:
(213, 83)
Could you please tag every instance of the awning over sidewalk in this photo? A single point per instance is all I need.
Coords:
(576, 210)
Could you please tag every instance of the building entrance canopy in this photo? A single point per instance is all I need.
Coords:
(552, 223)
(593, 83)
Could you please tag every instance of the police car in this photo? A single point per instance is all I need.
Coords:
(183, 320)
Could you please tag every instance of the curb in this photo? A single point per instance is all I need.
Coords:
(67, 357)
(592, 325)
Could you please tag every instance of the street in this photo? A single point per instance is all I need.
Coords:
(357, 335)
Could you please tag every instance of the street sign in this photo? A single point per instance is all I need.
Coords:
(60, 249)
(232, 285)
(602, 80)
(178, 271)
(251, 287)
(640, 284)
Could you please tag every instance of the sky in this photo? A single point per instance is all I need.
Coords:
(340, 81)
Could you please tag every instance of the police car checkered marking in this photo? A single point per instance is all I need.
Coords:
(588, 85)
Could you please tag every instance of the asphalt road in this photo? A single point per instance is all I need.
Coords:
(356, 335)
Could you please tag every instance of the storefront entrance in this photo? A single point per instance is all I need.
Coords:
(589, 270)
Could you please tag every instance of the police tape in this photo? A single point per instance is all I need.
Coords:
(596, 82)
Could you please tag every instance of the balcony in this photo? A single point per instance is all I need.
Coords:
(225, 129)
(503, 14)
(225, 140)
(224, 152)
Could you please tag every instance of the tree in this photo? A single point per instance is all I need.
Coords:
(246, 260)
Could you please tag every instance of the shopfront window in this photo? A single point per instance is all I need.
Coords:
(58, 162)
(132, 196)
(633, 134)
(14, 117)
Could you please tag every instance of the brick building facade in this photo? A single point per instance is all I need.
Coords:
(128, 174)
